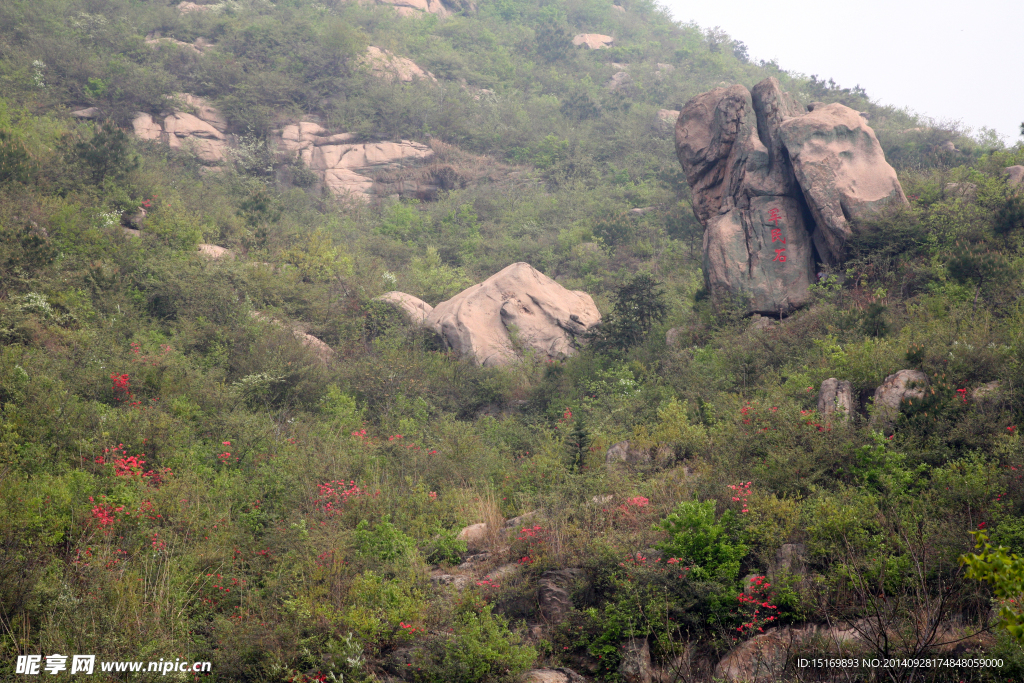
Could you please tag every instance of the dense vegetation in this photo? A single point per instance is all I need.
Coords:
(180, 478)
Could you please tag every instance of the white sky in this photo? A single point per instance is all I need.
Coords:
(945, 59)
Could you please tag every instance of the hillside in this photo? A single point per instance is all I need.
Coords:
(219, 444)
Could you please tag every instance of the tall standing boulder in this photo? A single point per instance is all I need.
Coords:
(776, 188)
(517, 309)
(835, 396)
(756, 244)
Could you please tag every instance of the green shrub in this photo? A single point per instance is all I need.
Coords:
(384, 542)
(701, 542)
(480, 648)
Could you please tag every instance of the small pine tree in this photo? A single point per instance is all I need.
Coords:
(639, 305)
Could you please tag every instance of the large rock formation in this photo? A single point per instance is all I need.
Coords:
(767, 176)
(518, 308)
(515, 310)
(197, 125)
(592, 41)
(346, 167)
(389, 66)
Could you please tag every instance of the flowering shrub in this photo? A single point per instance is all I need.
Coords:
(531, 544)
(333, 494)
(755, 609)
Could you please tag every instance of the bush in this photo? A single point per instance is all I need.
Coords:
(480, 648)
(701, 542)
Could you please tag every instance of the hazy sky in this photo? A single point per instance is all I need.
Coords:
(943, 59)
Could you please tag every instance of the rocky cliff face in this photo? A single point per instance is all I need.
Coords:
(776, 188)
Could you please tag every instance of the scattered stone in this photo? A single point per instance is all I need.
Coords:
(521, 520)
(635, 666)
(385, 64)
(416, 310)
(835, 396)
(502, 572)
(1014, 175)
(215, 252)
(619, 8)
(619, 81)
(135, 221)
(324, 352)
(186, 7)
(672, 337)
(560, 675)
(624, 453)
(988, 393)
(665, 120)
(948, 146)
(965, 191)
(412, 8)
(641, 210)
(475, 536)
(602, 500)
(519, 300)
(905, 384)
(592, 41)
(762, 323)
(763, 657)
(457, 582)
(88, 113)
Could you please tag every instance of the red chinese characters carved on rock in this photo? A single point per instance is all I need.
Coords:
(780, 256)
(777, 235)
(774, 217)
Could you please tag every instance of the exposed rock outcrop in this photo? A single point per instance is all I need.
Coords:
(215, 252)
(905, 384)
(201, 131)
(416, 310)
(767, 177)
(1014, 175)
(554, 594)
(412, 8)
(475, 536)
(592, 41)
(835, 396)
(764, 657)
(345, 166)
(385, 64)
(625, 453)
(154, 39)
(635, 666)
(665, 120)
(517, 309)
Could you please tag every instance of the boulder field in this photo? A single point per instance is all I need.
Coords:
(515, 311)
(778, 188)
